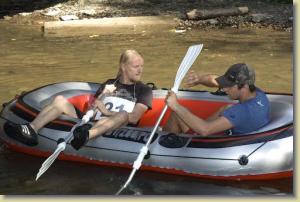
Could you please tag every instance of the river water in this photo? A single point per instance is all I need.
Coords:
(29, 60)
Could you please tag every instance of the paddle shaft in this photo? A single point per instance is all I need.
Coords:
(186, 63)
(62, 142)
(138, 162)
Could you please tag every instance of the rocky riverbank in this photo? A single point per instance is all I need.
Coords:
(272, 14)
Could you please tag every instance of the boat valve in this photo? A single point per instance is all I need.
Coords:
(243, 160)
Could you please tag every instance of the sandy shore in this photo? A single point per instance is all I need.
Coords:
(272, 14)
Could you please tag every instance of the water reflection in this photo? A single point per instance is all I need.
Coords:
(75, 178)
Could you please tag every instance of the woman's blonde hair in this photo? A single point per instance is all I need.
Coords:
(124, 58)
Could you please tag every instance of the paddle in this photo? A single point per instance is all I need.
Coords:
(61, 146)
(185, 65)
(61, 143)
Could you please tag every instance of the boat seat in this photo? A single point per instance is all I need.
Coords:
(280, 114)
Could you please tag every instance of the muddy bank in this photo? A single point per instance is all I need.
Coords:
(274, 14)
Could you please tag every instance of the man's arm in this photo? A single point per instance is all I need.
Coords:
(137, 113)
(218, 112)
(108, 89)
(201, 126)
(144, 102)
(197, 124)
(193, 79)
(101, 107)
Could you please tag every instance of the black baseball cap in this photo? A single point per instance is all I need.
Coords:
(237, 74)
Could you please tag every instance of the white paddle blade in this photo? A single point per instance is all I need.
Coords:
(186, 64)
(50, 160)
(127, 182)
(61, 146)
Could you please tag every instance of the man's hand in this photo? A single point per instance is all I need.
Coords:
(192, 79)
(109, 88)
(171, 100)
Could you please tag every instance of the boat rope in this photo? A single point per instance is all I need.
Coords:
(197, 157)
(260, 146)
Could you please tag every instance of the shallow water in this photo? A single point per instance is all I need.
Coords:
(30, 60)
(63, 178)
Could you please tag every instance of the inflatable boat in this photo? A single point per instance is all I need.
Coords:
(260, 155)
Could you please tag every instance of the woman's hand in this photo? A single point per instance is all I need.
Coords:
(192, 79)
(171, 100)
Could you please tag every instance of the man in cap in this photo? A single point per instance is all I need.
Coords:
(249, 114)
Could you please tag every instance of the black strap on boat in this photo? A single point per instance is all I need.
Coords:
(172, 140)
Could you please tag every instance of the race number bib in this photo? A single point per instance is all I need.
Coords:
(116, 104)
